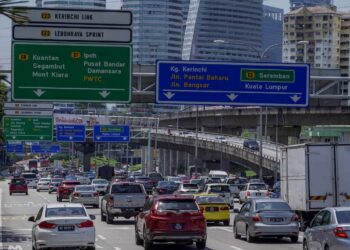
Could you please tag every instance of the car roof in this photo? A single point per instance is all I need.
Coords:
(58, 205)
(339, 208)
(174, 197)
(204, 194)
(268, 200)
(217, 184)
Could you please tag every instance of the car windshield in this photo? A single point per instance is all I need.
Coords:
(44, 180)
(18, 181)
(236, 181)
(29, 176)
(176, 205)
(100, 182)
(142, 179)
(84, 189)
(166, 183)
(155, 175)
(190, 186)
(257, 187)
(70, 183)
(65, 212)
(220, 189)
(126, 189)
(343, 217)
(210, 200)
(57, 180)
(174, 179)
(272, 206)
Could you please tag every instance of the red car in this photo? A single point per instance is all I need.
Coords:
(65, 189)
(170, 218)
(18, 185)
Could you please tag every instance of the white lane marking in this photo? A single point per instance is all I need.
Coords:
(98, 246)
(44, 198)
(120, 228)
(22, 229)
(222, 228)
(101, 237)
(236, 248)
(117, 248)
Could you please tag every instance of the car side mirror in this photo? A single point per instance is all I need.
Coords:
(31, 218)
(92, 217)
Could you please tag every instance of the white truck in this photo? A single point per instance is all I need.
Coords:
(315, 176)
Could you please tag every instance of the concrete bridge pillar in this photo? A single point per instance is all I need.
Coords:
(162, 161)
(172, 159)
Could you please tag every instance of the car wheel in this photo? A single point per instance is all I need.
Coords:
(147, 244)
(103, 217)
(326, 247)
(26, 193)
(50, 192)
(59, 199)
(235, 233)
(226, 222)
(294, 239)
(138, 239)
(96, 206)
(305, 247)
(37, 190)
(201, 244)
(10, 193)
(109, 218)
(249, 238)
(90, 248)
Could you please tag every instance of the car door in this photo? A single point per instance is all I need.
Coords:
(36, 222)
(313, 234)
(242, 217)
(326, 233)
(242, 193)
(142, 215)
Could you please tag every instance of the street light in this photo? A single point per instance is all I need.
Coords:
(261, 56)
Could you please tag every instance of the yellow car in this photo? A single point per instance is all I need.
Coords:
(214, 208)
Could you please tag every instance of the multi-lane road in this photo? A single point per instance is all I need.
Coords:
(16, 230)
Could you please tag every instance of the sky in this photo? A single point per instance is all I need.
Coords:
(5, 25)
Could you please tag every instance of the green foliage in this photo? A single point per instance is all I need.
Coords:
(245, 134)
(59, 157)
(136, 167)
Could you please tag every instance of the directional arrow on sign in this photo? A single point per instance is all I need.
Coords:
(295, 98)
(39, 92)
(232, 96)
(70, 137)
(169, 95)
(41, 137)
(13, 137)
(104, 93)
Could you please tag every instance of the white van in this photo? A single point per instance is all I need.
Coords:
(218, 173)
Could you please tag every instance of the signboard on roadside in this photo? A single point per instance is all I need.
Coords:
(70, 133)
(111, 133)
(20, 128)
(215, 83)
(71, 72)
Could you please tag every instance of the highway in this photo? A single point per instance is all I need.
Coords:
(16, 230)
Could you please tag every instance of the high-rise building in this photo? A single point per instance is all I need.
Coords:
(73, 4)
(225, 30)
(312, 33)
(345, 45)
(272, 33)
(157, 29)
(295, 4)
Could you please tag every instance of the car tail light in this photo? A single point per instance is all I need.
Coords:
(267, 193)
(340, 233)
(84, 224)
(46, 225)
(248, 193)
(295, 217)
(256, 218)
(76, 194)
(202, 209)
(224, 208)
(95, 194)
(147, 197)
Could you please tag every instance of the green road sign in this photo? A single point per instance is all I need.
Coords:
(19, 128)
(267, 75)
(71, 72)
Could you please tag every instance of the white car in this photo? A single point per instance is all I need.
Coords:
(63, 225)
(222, 190)
(253, 190)
(100, 185)
(43, 184)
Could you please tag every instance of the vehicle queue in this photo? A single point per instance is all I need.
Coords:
(176, 209)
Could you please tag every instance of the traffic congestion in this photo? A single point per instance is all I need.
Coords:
(182, 212)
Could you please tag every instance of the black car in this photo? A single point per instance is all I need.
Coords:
(251, 144)
(146, 181)
(166, 187)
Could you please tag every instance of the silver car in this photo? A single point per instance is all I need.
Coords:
(100, 185)
(85, 194)
(330, 229)
(266, 218)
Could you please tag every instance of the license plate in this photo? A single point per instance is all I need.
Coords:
(212, 209)
(258, 194)
(66, 228)
(178, 226)
(85, 195)
(276, 219)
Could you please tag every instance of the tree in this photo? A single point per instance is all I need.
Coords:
(13, 12)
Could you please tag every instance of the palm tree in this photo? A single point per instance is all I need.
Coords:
(13, 12)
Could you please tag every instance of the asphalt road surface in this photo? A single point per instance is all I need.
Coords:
(16, 230)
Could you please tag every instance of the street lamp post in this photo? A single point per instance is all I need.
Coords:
(261, 56)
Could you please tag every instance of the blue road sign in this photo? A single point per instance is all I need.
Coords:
(14, 148)
(73, 133)
(111, 133)
(45, 149)
(215, 83)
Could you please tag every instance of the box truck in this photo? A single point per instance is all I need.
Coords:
(315, 176)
